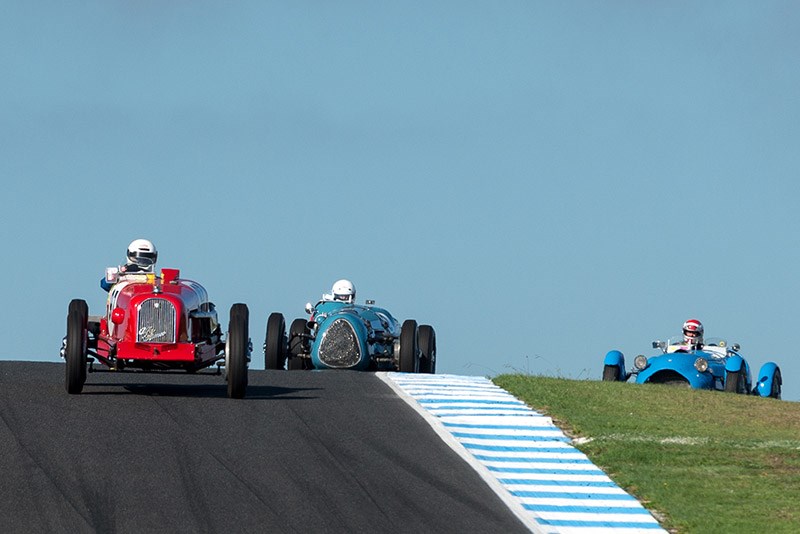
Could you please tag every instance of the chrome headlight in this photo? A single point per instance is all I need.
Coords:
(701, 364)
(640, 362)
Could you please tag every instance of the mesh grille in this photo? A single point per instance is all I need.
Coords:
(339, 346)
(156, 322)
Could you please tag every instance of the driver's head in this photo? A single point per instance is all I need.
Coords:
(142, 253)
(344, 291)
(693, 332)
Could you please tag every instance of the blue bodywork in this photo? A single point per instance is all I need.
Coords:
(714, 366)
(353, 336)
(346, 335)
(768, 380)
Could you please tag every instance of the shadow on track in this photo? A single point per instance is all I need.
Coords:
(194, 391)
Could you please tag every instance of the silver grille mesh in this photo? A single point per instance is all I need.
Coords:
(156, 322)
(339, 346)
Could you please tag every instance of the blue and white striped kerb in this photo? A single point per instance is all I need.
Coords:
(548, 483)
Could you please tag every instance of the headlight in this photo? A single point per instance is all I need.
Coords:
(640, 362)
(701, 364)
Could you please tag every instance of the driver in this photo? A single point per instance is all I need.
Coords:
(142, 256)
(342, 291)
(693, 333)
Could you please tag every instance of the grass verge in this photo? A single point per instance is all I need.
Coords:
(702, 461)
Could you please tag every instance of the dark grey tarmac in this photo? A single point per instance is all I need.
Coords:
(304, 452)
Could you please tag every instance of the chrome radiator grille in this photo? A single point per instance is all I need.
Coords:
(156, 322)
(339, 346)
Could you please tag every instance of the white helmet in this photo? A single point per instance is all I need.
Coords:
(142, 253)
(344, 290)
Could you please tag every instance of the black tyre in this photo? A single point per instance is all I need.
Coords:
(298, 345)
(777, 382)
(409, 347)
(275, 342)
(427, 349)
(77, 342)
(611, 373)
(238, 347)
(297, 364)
(735, 381)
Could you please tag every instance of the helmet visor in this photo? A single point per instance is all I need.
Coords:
(145, 259)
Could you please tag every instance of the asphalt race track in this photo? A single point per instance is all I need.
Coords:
(304, 452)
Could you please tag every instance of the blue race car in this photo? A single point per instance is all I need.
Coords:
(346, 335)
(715, 366)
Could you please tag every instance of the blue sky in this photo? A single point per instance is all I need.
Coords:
(540, 181)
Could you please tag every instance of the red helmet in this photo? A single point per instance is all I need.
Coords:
(693, 331)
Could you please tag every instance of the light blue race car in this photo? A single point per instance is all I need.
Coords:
(716, 365)
(345, 335)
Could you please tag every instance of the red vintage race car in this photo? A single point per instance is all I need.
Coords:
(156, 323)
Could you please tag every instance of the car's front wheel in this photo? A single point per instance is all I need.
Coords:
(77, 342)
(238, 347)
(611, 373)
(275, 342)
(735, 381)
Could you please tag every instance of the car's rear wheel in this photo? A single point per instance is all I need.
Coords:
(77, 342)
(777, 382)
(298, 345)
(275, 342)
(611, 373)
(427, 349)
(409, 347)
(735, 381)
(238, 347)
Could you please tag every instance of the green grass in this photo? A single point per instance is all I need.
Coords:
(702, 461)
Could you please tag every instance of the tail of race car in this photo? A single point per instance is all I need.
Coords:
(769, 381)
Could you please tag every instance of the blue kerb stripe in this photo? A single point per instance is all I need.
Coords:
(586, 509)
(549, 428)
(473, 412)
(545, 463)
(597, 524)
(571, 483)
(496, 448)
(470, 401)
(529, 459)
(442, 381)
(439, 388)
(571, 495)
(464, 412)
(481, 406)
(535, 470)
(462, 394)
(509, 438)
